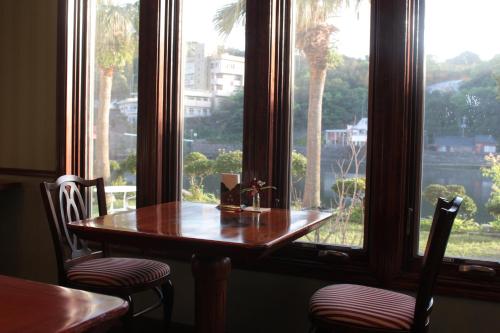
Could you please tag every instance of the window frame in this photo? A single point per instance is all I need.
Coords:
(389, 256)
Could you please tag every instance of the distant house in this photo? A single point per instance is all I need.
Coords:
(485, 144)
(356, 134)
(128, 107)
(479, 144)
(445, 86)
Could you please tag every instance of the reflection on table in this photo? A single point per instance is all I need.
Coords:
(32, 307)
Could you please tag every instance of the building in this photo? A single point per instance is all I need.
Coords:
(128, 107)
(196, 67)
(479, 144)
(226, 74)
(356, 134)
(197, 103)
(258, 300)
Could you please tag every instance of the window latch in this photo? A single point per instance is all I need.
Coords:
(333, 255)
(476, 270)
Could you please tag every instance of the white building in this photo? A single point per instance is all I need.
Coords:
(197, 103)
(128, 107)
(356, 134)
(226, 74)
(220, 73)
(196, 67)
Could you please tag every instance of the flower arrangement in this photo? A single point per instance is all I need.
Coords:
(256, 186)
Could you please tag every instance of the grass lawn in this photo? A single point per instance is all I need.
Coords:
(468, 245)
(462, 245)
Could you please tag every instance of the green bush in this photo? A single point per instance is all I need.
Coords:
(434, 191)
(493, 204)
(464, 225)
(197, 194)
(495, 225)
(459, 226)
(229, 162)
(350, 187)
(357, 214)
(425, 223)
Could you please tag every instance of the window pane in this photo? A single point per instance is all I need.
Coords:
(331, 55)
(213, 60)
(462, 123)
(112, 98)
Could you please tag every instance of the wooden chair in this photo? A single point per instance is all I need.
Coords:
(355, 308)
(80, 267)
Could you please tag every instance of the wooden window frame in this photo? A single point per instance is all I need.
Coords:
(389, 256)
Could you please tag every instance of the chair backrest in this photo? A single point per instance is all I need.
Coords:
(442, 222)
(65, 201)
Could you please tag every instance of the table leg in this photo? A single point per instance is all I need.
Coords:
(210, 274)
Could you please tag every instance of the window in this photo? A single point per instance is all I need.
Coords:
(371, 139)
(462, 124)
(216, 147)
(331, 97)
(111, 143)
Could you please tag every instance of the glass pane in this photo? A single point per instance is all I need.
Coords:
(462, 123)
(213, 62)
(332, 40)
(112, 99)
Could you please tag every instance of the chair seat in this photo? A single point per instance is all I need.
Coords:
(118, 272)
(362, 306)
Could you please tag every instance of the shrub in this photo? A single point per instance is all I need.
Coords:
(425, 223)
(197, 194)
(464, 225)
(495, 225)
(434, 191)
(229, 162)
(459, 226)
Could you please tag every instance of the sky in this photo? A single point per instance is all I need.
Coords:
(456, 26)
(198, 25)
(452, 27)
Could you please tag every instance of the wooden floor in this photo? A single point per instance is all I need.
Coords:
(144, 324)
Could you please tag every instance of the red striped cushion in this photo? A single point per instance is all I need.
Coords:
(363, 306)
(117, 272)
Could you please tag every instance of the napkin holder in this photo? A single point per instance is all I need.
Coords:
(230, 188)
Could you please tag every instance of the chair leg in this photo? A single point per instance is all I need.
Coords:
(167, 290)
(127, 320)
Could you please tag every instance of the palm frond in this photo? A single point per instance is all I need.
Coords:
(227, 17)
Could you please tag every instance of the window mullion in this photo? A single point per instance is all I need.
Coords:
(259, 107)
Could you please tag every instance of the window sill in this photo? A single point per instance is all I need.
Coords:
(357, 271)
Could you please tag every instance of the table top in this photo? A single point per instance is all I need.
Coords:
(30, 307)
(201, 227)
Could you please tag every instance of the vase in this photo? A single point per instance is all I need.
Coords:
(256, 201)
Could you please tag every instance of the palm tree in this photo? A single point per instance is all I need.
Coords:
(115, 47)
(313, 34)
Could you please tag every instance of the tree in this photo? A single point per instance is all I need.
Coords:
(434, 191)
(299, 166)
(196, 167)
(313, 38)
(493, 171)
(115, 47)
(229, 162)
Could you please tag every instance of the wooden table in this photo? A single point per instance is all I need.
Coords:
(32, 307)
(211, 235)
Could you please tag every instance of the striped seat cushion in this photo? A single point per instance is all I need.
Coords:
(363, 307)
(117, 272)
